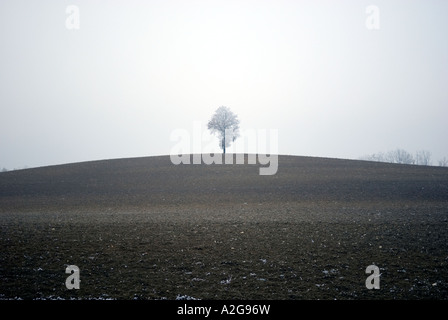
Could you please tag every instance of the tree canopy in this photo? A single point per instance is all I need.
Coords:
(226, 124)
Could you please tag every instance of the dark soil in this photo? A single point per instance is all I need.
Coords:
(144, 228)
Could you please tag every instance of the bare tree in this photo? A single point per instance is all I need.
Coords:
(443, 162)
(226, 124)
(393, 156)
(423, 158)
(400, 156)
(374, 157)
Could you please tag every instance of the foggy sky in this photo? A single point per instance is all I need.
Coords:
(135, 71)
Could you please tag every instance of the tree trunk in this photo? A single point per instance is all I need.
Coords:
(224, 144)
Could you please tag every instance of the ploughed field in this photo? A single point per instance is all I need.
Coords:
(143, 228)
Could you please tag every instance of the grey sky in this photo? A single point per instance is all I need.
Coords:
(137, 70)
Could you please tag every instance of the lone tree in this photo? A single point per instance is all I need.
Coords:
(226, 124)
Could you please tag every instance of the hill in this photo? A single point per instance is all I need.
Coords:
(146, 228)
(145, 183)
